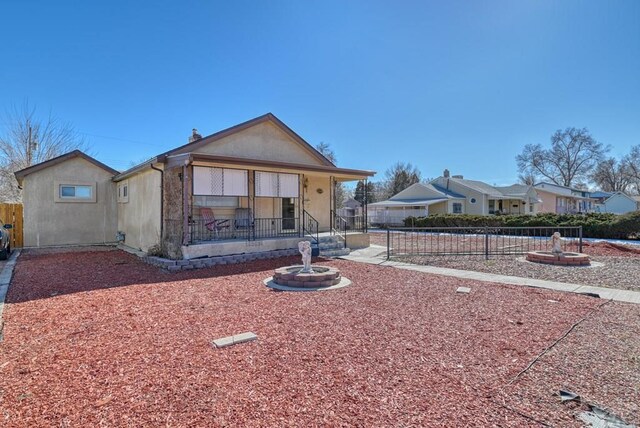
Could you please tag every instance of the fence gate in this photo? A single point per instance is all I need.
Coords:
(12, 214)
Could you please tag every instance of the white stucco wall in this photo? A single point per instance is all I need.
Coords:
(49, 221)
(139, 218)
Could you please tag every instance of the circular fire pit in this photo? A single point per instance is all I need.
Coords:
(292, 276)
(558, 259)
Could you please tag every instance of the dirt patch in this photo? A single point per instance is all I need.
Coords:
(95, 338)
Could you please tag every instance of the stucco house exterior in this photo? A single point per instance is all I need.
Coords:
(68, 200)
(564, 200)
(617, 203)
(257, 186)
(453, 195)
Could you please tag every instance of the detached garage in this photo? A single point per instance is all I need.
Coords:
(69, 200)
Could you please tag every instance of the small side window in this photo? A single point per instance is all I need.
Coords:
(123, 192)
(76, 191)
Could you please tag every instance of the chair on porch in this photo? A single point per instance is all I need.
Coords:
(211, 223)
(243, 219)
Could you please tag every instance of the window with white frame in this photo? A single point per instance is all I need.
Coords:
(457, 208)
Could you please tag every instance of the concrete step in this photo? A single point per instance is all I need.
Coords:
(331, 246)
(335, 253)
(326, 239)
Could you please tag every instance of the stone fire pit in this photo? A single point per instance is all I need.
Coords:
(558, 259)
(293, 276)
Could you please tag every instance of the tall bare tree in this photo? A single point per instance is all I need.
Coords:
(572, 157)
(612, 175)
(28, 139)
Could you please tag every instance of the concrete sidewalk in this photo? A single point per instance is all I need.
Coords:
(376, 255)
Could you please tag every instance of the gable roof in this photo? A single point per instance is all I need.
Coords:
(613, 195)
(269, 117)
(478, 186)
(423, 191)
(62, 158)
(326, 164)
(601, 194)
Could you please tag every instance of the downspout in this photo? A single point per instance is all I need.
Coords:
(161, 202)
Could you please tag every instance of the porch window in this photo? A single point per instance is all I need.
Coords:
(457, 208)
(277, 185)
(217, 201)
(220, 181)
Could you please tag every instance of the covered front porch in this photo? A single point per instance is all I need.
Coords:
(234, 208)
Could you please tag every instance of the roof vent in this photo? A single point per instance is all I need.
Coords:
(458, 176)
(446, 174)
(194, 135)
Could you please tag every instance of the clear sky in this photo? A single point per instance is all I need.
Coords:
(444, 84)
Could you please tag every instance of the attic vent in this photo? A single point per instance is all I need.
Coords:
(458, 176)
(194, 135)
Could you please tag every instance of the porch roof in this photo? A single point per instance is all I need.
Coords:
(407, 202)
(340, 173)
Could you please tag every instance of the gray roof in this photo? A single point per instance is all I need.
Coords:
(513, 190)
(479, 186)
(407, 202)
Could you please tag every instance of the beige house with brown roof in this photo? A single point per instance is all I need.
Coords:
(257, 186)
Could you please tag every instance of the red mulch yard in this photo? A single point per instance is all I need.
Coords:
(102, 339)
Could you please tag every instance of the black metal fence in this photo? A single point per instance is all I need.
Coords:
(484, 241)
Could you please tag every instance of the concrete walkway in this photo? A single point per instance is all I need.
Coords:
(376, 255)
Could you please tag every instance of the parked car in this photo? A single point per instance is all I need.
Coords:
(5, 241)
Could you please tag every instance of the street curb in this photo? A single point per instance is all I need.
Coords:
(5, 281)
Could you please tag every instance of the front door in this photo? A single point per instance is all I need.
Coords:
(288, 213)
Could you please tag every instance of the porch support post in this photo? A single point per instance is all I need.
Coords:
(365, 212)
(185, 205)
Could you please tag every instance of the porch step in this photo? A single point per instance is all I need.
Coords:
(324, 246)
(332, 246)
(335, 253)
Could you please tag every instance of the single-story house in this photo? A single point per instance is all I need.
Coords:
(257, 186)
(453, 195)
(564, 200)
(617, 203)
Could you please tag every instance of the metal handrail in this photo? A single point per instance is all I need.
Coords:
(309, 220)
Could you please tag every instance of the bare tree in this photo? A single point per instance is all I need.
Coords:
(612, 176)
(572, 157)
(341, 192)
(631, 163)
(399, 177)
(527, 178)
(29, 139)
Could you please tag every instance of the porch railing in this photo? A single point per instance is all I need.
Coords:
(343, 224)
(201, 230)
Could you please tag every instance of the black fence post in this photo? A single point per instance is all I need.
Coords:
(580, 240)
(388, 244)
(486, 243)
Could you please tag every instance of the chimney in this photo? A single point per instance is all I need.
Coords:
(458, 176)
(445, 174)
(194, 135)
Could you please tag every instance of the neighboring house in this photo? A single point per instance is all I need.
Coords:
(564, 200)
(68, 200)
(417, 200)
(618, 203)
(254, 187)
(637, 199)
(453, 195)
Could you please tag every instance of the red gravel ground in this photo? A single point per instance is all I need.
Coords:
(101, 339)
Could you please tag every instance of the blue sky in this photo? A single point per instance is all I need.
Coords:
(459, 84)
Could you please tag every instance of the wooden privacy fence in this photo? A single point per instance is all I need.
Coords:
(12, 214)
